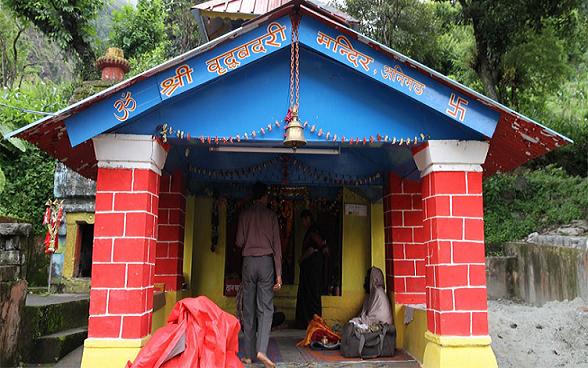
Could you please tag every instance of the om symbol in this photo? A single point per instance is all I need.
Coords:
(124, 105)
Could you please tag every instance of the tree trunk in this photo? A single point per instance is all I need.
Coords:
(486, 68)
(487, 75)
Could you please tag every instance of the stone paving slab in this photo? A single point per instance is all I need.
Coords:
(35, 300)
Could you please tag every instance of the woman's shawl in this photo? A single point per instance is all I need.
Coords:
(376, 307)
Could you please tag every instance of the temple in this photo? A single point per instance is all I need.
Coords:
(393, 167)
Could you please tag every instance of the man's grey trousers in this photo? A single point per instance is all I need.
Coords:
(258, 304)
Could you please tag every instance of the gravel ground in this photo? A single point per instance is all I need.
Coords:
(554, 335)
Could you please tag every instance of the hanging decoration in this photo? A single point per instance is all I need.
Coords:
(294, 135)
(241, 173)
(293, 129)
(166, 132)
(281, 166)
(328, 177)
(52, 219)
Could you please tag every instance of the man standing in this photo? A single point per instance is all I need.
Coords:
(258, 235)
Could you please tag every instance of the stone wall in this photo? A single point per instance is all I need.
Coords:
(538, 273)
(79, 196)
(14, 240)
(547, 272)
(501, 277)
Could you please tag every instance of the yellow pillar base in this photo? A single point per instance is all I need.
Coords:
(458, 352)
(100, 353)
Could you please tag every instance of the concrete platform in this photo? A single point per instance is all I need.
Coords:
(283, 351)
(282, 342)
(34, 300)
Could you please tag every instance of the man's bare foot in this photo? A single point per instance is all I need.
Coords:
(267, 363)
(246, 361)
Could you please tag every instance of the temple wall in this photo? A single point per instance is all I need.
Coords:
(204, 270)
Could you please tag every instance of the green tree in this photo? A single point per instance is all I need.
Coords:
(139, 30)
(181, 28)
(408, 26)
(13, 49)
(67, 22)
(517, 42)
(28, 171)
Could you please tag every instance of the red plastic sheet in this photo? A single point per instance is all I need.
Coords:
(198, 334)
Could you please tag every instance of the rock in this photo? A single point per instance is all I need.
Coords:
(531, 238)
(12, 229)
(12, 302)
(570, 231)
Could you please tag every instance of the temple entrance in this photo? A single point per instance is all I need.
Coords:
(288, 202)
(85, 240)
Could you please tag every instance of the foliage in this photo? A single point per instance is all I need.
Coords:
(26, 54)
(67, 22)
(31, 169)
(507, 34)
(154, 31)
(138, 30)
(408, 26)
(181, 28)
(148, 59)
(13, 50)
(519, 203)
(38, 96)
(2, 180)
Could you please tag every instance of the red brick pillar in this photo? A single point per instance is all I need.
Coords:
(123, 260)
(405, 250)
(457, 312)
(169, 260)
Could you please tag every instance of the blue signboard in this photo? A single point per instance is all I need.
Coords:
(130, 103)
(401, 78)
(336, 105)
(381, 99)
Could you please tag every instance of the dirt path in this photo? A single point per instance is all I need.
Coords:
(554, 335)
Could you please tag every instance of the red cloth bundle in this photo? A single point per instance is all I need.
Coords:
(198, 334)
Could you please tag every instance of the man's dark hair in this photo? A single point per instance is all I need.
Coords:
(306, 214)
(259, 190)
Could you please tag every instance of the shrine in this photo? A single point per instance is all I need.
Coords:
(388, 154)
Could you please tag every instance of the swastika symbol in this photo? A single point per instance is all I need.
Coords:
(457, 107)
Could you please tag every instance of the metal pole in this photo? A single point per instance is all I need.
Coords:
(50, 272)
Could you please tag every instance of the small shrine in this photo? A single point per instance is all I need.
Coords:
(388, 154)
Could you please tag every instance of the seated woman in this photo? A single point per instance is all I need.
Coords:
(371, 334)
(376, 306)
(308, 300)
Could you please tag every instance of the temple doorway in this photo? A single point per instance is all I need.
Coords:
(288, 202)
(85, 240)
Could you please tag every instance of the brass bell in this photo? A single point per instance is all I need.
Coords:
(294, 132)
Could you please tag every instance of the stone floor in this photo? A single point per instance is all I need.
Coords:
(35, 300)
(284, 351)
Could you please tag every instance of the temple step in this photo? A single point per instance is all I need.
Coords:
(51, 348)
(53, 325)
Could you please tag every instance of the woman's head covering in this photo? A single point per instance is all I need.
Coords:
(376, 279)
(376, 307)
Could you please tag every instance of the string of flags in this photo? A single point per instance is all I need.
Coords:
(166, 132)
(241, 173)
(318, 175)
(328, 177)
